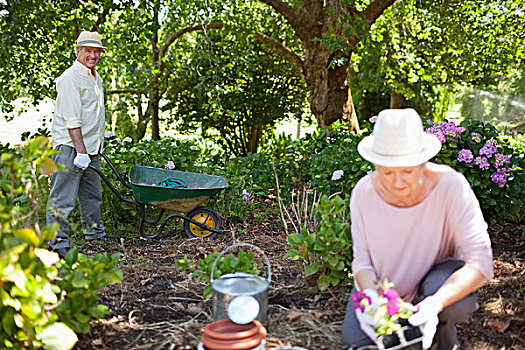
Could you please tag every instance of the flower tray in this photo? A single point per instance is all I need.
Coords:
(406, 336)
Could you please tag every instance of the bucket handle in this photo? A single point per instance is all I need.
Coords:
(247, 245)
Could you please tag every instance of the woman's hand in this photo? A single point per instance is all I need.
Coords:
(427, 316)
(366, 321)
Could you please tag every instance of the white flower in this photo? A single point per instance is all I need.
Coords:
(337, 174)
(127, 139)
(196, 164)
(373, 119)
(170, 165)
(108, 134)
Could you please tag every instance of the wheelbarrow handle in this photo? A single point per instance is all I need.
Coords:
(247, 245)
(121, 179)
(111, 187)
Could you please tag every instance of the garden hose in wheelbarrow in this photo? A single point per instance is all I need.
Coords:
(173, 182)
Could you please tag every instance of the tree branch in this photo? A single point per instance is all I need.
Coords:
(123, 91)
(280, 48)
(375, 9)
(274, 44)
(285, 10)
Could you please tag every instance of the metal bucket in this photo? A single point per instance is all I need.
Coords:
(227, 287)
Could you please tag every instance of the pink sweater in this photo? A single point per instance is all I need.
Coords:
(402, 244)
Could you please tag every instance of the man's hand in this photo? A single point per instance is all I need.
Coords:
(427, 316)
(82, 160)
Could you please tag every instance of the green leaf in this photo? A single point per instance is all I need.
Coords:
(312, 269)
(58, 336)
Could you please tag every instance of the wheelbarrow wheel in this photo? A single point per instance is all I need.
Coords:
(205, 216)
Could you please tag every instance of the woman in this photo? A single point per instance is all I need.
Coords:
(419, 225)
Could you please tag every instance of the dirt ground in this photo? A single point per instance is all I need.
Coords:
(158, 307)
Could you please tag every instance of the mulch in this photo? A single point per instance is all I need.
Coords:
(158, 307)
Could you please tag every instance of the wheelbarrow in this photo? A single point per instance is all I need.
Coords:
(179, 191)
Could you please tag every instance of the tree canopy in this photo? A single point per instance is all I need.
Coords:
(408, 48)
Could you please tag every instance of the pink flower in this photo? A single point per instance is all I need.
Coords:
(357, 298)
(392, 296)
(246, 196)
(170, 165)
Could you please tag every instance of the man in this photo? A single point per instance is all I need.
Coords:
(78, 131)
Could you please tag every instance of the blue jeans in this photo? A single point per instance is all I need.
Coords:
(446, 334)
(65, 188)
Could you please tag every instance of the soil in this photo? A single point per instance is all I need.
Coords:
(159, 307)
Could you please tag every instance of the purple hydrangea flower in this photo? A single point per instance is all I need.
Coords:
(493, 142)
(476, 137)
(357, 298)
(501, 159)
(429, 122)
(482, 162)
(499, 177)
(465, 155)
(487, 150)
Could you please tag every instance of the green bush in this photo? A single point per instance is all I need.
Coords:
(492, 162)
(34, 299)
(327, 249)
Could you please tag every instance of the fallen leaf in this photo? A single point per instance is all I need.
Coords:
(498, 325)
(317, 313)
(293, 315)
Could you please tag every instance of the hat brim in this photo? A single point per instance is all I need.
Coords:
(432, 146)
(90, 45)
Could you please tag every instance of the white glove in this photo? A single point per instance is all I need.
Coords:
(366, 321)
(82, 160)
(427, 315)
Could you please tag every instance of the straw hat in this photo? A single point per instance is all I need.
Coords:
(91, 39)
(398, 140)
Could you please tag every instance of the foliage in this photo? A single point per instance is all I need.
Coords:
(488, 161)
(421, 50)
(327, 250)
(33, 300)
(80, 278)
(227, 88)
(225, 265)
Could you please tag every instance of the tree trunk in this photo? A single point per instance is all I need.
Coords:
(396, 101)
(330, 95)
(155, 96)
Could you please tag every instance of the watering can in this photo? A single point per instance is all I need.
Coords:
(240, 297)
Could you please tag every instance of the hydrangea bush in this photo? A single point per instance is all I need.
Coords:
(488, 161)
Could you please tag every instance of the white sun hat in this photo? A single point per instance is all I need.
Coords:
(398, 140)
(91, 39)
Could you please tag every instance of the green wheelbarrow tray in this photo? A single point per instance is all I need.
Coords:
(144, 182)
(201, 187)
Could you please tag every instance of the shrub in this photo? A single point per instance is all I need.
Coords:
(327, 250)
(490, 162)
(34, 307)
